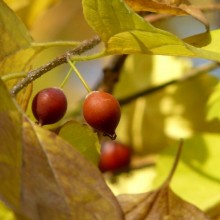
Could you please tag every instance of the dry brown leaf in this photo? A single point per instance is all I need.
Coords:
(157, 205)
(58, 183)
(173, 7)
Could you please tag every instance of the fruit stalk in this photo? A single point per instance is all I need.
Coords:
(79, 75)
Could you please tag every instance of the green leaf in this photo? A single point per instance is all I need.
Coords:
(83, 139)
(197, 177)
(124, 32)
(44, 177)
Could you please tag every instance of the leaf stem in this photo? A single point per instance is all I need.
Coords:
(176, 161)
(79, 75)
(55, 43)
(87, 57)
(13, 76)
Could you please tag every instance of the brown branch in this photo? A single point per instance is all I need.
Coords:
(34, 74)
(192, 74)
(112, 73)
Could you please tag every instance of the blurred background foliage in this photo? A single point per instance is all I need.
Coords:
(151, 123)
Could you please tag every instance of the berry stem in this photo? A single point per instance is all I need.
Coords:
(66, 78)
(79, 75)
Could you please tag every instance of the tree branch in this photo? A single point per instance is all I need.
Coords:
(34, 74)
(112, 73)
(192, 74)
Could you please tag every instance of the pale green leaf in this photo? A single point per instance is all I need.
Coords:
(83, 139)
(197, 176)
(123, 31)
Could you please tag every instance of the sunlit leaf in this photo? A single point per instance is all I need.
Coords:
(197, 177)
(6, 213)
(83, 138)
(150, 122)
(213, 105)
(175, 7)
(159, 204)
(44, 177)
(124, 32)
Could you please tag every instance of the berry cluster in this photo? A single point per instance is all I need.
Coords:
(100, 109)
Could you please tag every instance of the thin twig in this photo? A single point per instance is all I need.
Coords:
(34, 74)
(192, 74)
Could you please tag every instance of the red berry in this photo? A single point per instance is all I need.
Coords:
(49, 105)
(102, 111)
(114, 156)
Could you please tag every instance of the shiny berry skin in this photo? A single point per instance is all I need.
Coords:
(114, 156)
(102, 111)
(49, 105)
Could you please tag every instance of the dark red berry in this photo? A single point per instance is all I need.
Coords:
(114, 156)
(102, 111)
(49, 105)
